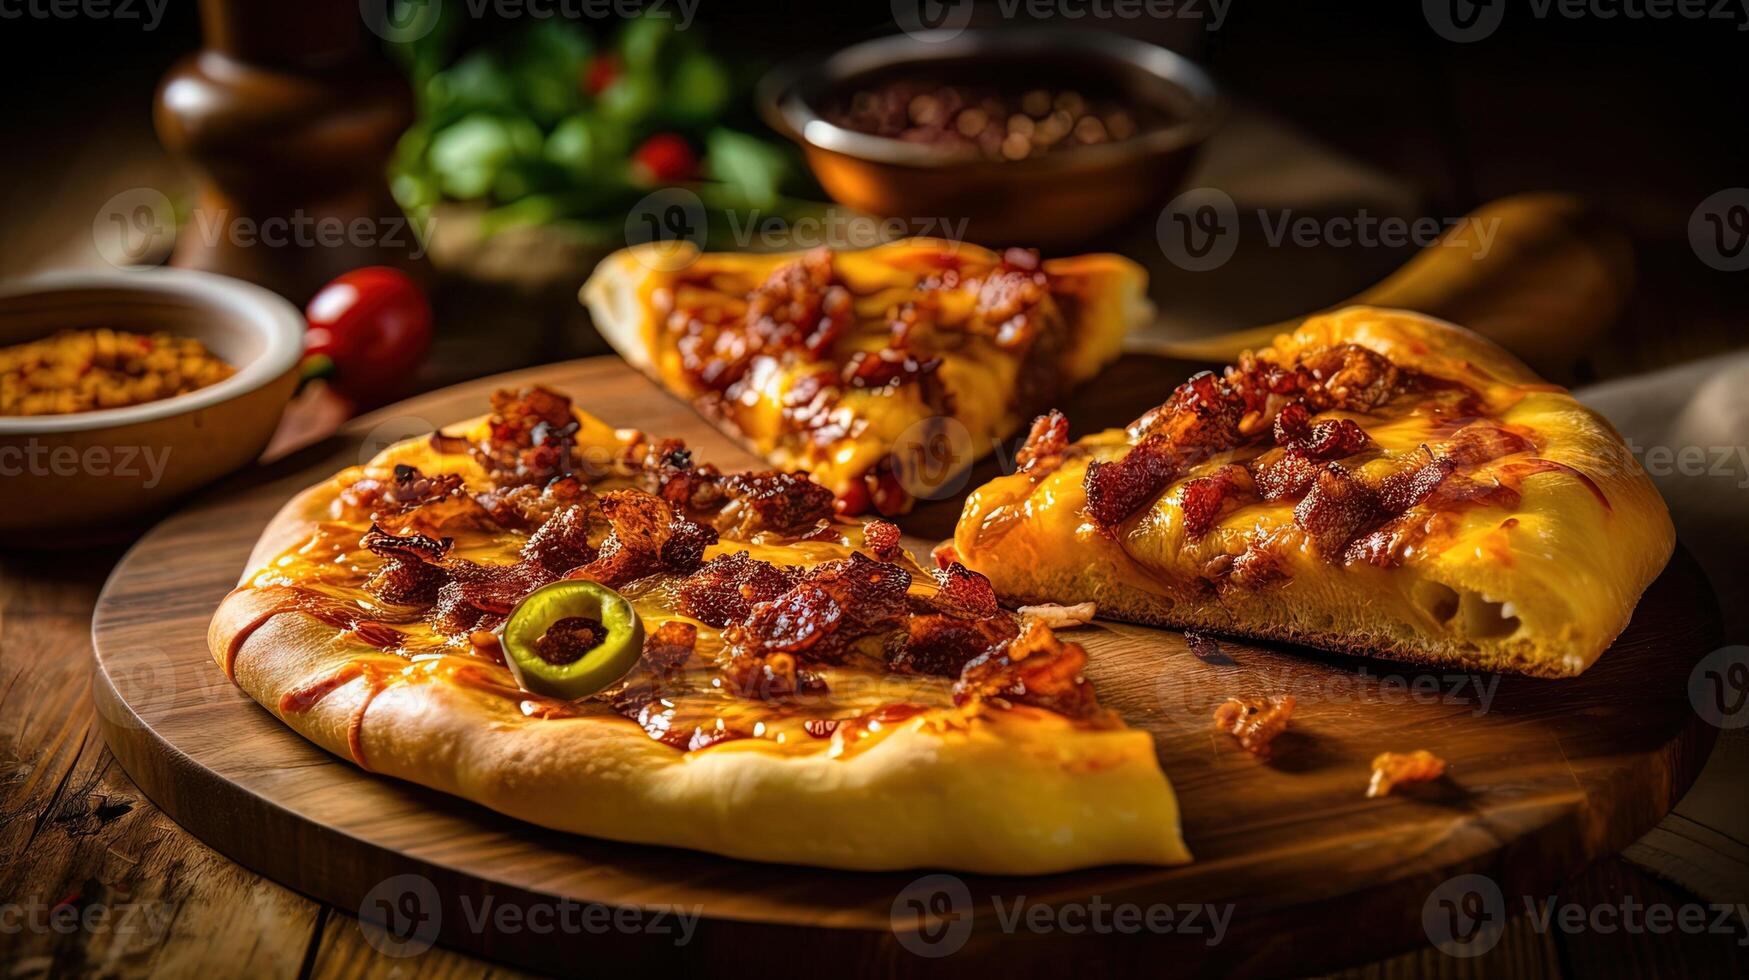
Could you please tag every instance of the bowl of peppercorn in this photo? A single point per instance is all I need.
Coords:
(1007, 137)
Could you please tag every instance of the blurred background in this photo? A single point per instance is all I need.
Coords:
(1338, 107)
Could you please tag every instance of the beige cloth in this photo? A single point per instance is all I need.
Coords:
(1704, 844)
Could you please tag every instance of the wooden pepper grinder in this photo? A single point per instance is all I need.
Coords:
(290, 117)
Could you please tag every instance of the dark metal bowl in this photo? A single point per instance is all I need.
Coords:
(1055, 200)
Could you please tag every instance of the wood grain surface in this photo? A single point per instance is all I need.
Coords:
(1545, 775)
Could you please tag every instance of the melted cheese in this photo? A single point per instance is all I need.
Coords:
(331, 563)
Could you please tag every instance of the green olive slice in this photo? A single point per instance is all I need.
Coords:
(571, 639)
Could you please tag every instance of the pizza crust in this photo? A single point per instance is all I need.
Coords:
(1018, 792)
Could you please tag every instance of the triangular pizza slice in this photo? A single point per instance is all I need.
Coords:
(1376, 482)
(885, 372)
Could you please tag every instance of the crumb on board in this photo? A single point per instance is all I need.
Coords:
(1059, 617)
(1391, 768)
(1255, 722)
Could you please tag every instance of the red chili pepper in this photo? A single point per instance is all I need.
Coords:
(665, 159)
(369, 330)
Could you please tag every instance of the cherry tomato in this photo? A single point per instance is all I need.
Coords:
(603, 70)
(368, 332)
(665, 159)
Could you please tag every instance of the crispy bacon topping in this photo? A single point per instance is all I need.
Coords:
(966, 591)
(835, 604)
(1349, 376)
(562, 543)
(940, 644)
(411, 574)
(725, 589)
(1201, 419)
(1035, 668)
(1204, 499)
(1045, 444)
(1391, 768)
(772, 501)
(669, 645)
(882, 539)
(410, 500)
(531, 437)
(528, 507)
(645, 536)
(1255, 722)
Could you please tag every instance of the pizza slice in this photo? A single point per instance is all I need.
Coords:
(1377, 482)
(885, 373)
(586, 629)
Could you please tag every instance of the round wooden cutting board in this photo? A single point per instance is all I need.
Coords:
(1296, 871)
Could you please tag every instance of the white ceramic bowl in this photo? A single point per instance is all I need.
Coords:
(91, 470)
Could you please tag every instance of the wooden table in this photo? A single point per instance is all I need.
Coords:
(74, 830)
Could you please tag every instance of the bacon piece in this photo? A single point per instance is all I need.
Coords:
(669, 645)
(1014, 300)
(531, 437)
(411, 574)
(665, 468)
(769, 676)
(1255, 722)
(1336, 511)
(1405, 488)
(646, 537)
(1321, 441)
(1349, 376)
(724, 590)
(966, 591)
(1283, 474)
(1035, 668)
(482, 596)
(1045, 444)
(772, 501)
(835, 604)
(1200, 420)
(562, 543)
(1391, 768)
(882, 538)
(1203, 499)
(528, 507)
(799, 303)
(410, 500)
(1204, 648)
(940, 644)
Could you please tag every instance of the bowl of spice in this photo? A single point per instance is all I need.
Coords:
(121, 391)
(1018, 136)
